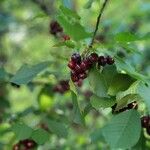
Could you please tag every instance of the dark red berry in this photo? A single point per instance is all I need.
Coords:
(78, 69)
(102, 61)
(83, 75)
(83, 66)
(71, 65)
(145, 121)
(66, 37)
(74, 78)
(88, 63)
(55, 27)
(16, 147)
(79, 83)
(76, 58)
(93, 57)
(110, 60)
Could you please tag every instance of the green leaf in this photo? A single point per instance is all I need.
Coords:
(26, 73)
(77, 115)
(97, 136)
(75, 30)
(3, 74)
(57, 128)
(123, 131)
(124, 66)
(120, 82)
(101, 81)
(87, 109)
(89, 4)
(98, 102)
(131, 94)
(69, 13)
(141, 145)
(128, 37)
(69, 44)
(144, 92)
(40, 136)
(22, 131)
(73, 87)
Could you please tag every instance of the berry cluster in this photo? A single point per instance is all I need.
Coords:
(80, 67)
(62, 87)
(55, 28)
(26, 144)
(57, 31)
(145, 122)
(132, 105)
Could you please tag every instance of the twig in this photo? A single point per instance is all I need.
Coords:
(96, 27)
(97, 23)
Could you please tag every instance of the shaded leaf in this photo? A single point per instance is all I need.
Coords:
(22, 131)
(98, 102)
(123, 131)
(77, 115)
(97, 136)
(26, 73)
(144, 92)
(101, 81)
(120, 82)
(57, 128)
(40, 136)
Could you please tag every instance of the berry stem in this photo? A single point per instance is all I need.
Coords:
(97, 23)
(96, 27)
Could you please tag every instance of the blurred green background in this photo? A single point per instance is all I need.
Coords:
(25, 38)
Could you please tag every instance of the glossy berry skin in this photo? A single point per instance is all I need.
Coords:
(76, 58)
(110, 60)
(84, 66)
(93, 57)
(102, 61)
(145, 121)
(71, 65)
(74, 78)
(83, 75)
(78, 69)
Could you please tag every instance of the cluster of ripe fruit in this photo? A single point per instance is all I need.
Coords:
(80, 67)
(132, 105)
(26, 144)
(57, 30)
(61, 87)
(145, 122)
